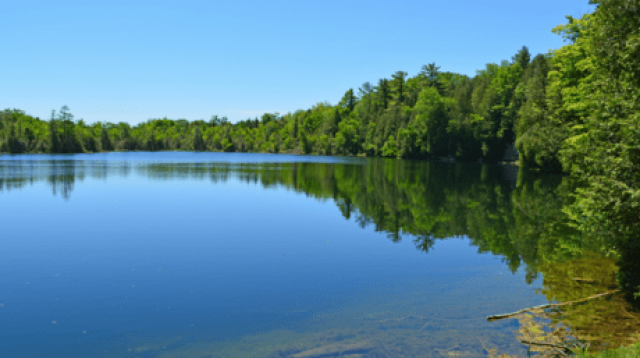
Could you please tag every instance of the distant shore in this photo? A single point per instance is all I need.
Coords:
(449, 159)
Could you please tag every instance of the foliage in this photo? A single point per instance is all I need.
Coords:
(431, 115)
(598, 86)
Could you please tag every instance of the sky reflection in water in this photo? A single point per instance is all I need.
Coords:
(187, 254)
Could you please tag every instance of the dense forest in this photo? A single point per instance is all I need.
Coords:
(574, 110)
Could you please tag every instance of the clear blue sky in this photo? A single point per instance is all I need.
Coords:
(134, 60)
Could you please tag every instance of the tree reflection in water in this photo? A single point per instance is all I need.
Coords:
(521, 221)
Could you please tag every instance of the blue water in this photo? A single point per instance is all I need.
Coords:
(142, 255)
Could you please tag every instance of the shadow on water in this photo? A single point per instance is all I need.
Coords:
(518, 217)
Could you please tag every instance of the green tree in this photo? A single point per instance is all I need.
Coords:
(430, 74)
(539, 137)
(431, 121)
(304, 142)
(390, 148)
(603, 147)
(398, 84)
(65, 118)
(523, 57)
(53, 132)
(197, 141)
(348, 101)
(105, 140)
(384, 93)
(334, 122)
(366, 93)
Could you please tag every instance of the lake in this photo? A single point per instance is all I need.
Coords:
(177, 254)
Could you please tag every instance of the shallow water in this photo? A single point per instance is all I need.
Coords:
(252, 255)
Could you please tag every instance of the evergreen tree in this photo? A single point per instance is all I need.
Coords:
(65, 118)
(539, 139)
(366, 93)
(334, 122)
(398, 83)
(105, 140)
(349, 100)
(383, 93)
(304, 142)
(430, 73)
(198, 141)
(53, 132)
(522, 57)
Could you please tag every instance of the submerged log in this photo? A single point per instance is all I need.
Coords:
(542, 307)
(583, 280)
(564, 349)
(333, 349)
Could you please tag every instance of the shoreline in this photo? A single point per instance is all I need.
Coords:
(448, 159)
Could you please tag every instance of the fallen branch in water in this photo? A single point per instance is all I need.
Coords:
(400, 319)
(583, 280)
(542, 307)
(335, 349)
(564, 350)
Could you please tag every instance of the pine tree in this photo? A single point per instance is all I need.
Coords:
(198, 141)
(430, 73)
(383, 93)
(399, 86)
(53, 132)
(523, 57)
(105, 140)
(349, 100)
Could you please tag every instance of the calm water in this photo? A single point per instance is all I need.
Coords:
(252, 255)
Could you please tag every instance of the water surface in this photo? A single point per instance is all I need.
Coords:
(251, 255)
